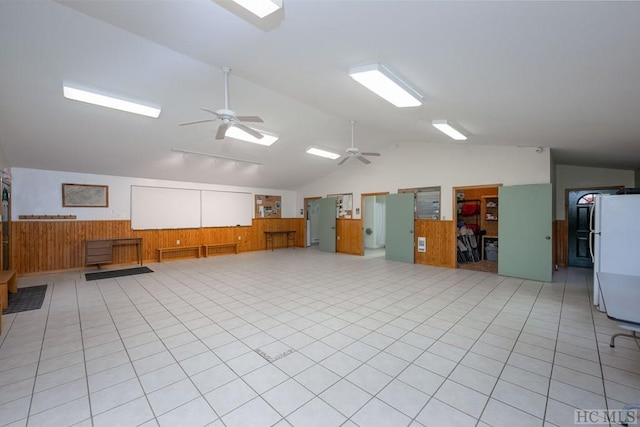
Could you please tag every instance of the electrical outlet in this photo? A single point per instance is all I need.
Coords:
(177, 242)
(239, 237)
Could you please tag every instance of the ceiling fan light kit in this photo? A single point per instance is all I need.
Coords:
(228, 117)
(383, 82)
(260, 8)
(445, 127)
(94, 98)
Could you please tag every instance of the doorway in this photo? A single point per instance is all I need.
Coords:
(312, 217)
(374, 224)
(476, 240)
(579, 204)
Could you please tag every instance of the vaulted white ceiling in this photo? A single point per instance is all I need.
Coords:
(563, 75)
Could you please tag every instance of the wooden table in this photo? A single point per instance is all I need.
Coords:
(101, 251)
(269, 235)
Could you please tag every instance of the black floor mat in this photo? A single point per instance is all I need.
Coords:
(29, 298)
(109, 274)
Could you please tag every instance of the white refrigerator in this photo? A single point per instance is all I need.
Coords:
(615, 237)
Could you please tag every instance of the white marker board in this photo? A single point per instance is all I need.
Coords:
(226, 209)
(166, 208)
(159, 207)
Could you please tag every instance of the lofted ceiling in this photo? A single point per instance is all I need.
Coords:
(563, 75)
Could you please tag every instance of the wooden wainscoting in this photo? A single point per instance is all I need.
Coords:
(42, 246)
(260, 225)
(560, 244)
(440, 250)
(349, 239)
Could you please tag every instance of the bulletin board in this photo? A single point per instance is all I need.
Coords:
(268, 206)
(344, 207)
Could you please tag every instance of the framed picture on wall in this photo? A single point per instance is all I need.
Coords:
(85, 196)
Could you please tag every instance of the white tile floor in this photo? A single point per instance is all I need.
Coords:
(342, 340)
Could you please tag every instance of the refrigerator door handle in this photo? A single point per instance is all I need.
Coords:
(592, 232)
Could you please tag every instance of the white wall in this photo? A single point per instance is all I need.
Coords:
(568, 177)
(409, 165)
(39, 192)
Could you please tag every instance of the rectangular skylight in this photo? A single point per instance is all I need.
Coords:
(260, 8)
(237, 133)
(444, 127)
(110, 102)
(322, 153)
(380, 80)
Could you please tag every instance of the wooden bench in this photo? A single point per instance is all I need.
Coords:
(179, 252)
(8, 283)
(219, 248)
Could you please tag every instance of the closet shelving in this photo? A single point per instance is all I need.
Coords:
(489, 215)
(469, 212)
(489, 218)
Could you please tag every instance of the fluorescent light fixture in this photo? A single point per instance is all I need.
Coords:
(215, 156)
(322, 153)
(109, 102)
(237, 133)
(444, 127)
(260, 8)
(380, 80)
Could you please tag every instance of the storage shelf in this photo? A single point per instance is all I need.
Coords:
(490, 208)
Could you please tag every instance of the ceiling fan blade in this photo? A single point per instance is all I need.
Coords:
(208, 110)
(343, 160)
(370, 154)
(363, 160)
(197, 121)
(251, 119)
(250, 131)
(222, 130)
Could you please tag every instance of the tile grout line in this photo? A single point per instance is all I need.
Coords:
(44, 334)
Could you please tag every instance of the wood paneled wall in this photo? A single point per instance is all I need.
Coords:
(349, 238)
(47, 246)
(560, 244)
(41, 246)
(440, 243)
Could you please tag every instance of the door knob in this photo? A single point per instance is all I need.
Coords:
(548, 237)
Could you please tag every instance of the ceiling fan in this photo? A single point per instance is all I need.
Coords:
(227, 116)
(355, 152)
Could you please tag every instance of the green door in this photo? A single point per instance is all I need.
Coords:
(400, 227)
(524, 231)
(327, 221)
